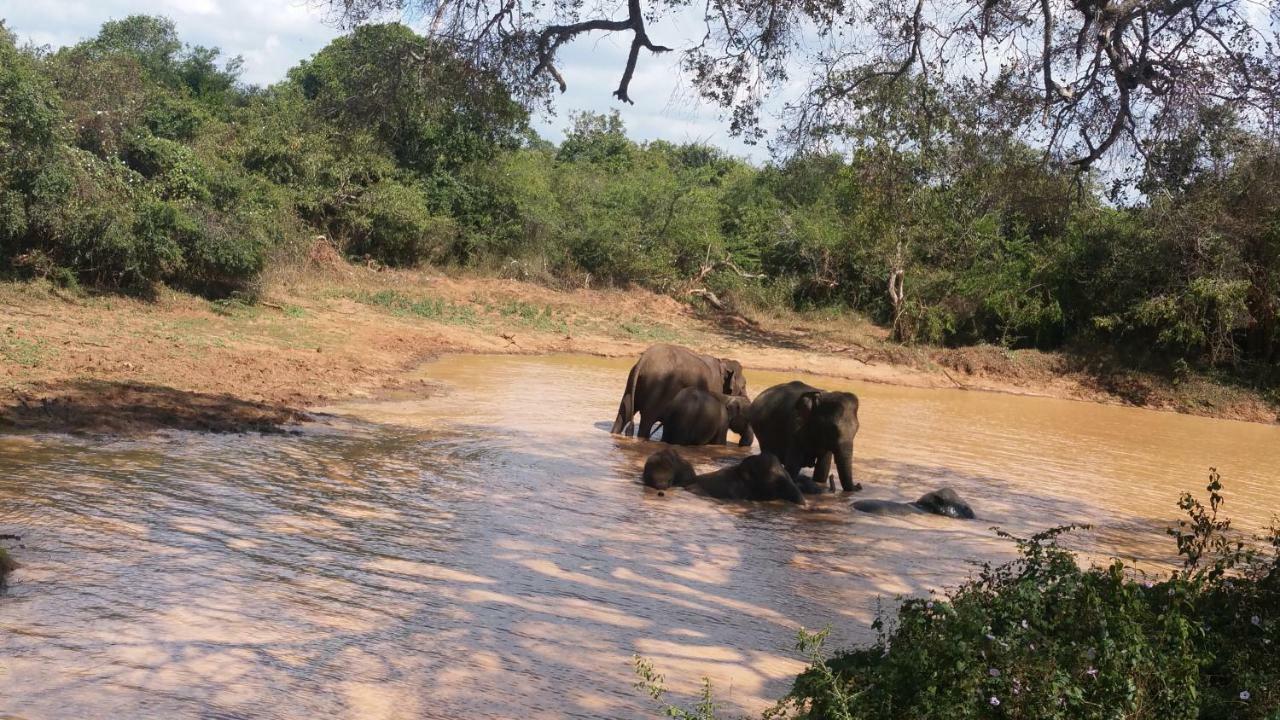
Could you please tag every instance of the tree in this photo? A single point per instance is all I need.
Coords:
(433, 110)
(1076, 76)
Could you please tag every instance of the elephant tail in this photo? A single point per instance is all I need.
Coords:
(627, 408)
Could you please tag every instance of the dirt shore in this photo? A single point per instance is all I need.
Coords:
(112, 364)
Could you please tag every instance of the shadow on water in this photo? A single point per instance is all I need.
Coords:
(99, 406)
(479, 554)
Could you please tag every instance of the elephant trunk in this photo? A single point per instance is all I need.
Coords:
(746, 437)
(844, 466)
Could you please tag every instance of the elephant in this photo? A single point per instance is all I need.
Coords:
(758, 477)
(808, 427)
(702, 417)
(665, 469)
(664, 370)
(939, 502)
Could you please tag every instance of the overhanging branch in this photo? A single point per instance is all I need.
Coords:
(551, 38)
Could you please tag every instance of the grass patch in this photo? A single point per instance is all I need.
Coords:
(26, 353)
(649, 333)
(532, 316)
(434, 309)
(233, 307)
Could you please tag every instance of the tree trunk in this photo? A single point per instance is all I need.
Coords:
(897, 291)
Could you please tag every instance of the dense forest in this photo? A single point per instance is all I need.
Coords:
(133, 158)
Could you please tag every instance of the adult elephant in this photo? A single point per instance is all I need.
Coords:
(664, 370)
(701, 417)
(808, 427)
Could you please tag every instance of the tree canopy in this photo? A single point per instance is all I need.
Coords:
(1074, 78)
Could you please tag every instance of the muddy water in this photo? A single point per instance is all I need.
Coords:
(489, 552)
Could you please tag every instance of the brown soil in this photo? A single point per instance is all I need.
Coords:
(112, 364)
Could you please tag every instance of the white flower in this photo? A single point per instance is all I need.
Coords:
(929, 605)
(994, 672)
(995, 701)
(1092, 672)
(1256, 620)
(1024, 624)
(991, 637)
(1244, 695)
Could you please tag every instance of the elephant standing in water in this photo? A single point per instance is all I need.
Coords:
(759, 477)
(939, 502)
(808, 427)
(702, 417)
(663, 371)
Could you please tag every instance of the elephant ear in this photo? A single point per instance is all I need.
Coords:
(805, 405)
(734, 381)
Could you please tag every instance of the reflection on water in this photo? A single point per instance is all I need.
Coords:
(489, 552)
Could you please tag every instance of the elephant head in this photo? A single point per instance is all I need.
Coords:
(945, 502)
(769, 480)
(740, 419)
(665, 469)
(827, 422)
(735, 383)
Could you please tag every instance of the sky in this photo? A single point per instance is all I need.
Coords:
(273, 35)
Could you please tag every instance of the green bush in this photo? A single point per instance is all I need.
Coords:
(172, 167)
(390, 223)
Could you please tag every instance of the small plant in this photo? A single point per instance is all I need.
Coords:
(654, 685)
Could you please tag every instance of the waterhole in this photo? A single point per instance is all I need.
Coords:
(489, 552)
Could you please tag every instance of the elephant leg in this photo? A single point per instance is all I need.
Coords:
(747, 438)
(844, 466)
(645, 429)
(822, 471)
(792, 462)
(627, 408)
(625, 420)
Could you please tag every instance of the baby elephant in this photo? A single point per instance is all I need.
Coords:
(759, 477)
(939, 502)
(665, 469)
(701, 417)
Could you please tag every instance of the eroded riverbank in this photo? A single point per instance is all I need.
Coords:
(125, 366)
(489, 552)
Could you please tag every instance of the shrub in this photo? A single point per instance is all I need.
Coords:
(390, 223)
(172, 167)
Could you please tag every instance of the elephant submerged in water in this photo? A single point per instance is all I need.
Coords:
(666, 469)
(759, 477)
(808, 427)
(702, 417)
(661, 373)
(939, 502)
